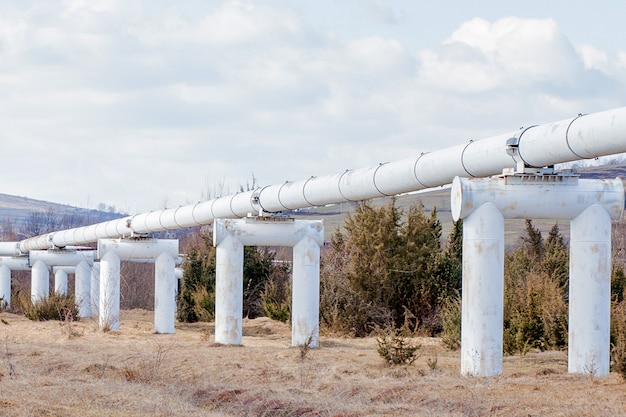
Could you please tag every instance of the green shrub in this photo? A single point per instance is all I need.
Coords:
(395, 348)
(275, 301)
(55, 307)
(535, 315)
(203, 303)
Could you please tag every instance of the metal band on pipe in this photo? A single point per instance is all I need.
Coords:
(567, 136)
(374, 178)
(415, 169)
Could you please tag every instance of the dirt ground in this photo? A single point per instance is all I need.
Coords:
(60, 369)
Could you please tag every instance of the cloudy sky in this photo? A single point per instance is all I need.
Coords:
(144, 104)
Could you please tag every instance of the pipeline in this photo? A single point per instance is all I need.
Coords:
(581, 137)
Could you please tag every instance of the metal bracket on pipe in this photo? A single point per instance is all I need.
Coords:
(521, 167)
(541, 176)
(274, 218)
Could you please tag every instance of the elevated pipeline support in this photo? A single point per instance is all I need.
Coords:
(483, 204)
(230, 236)
(61, 274)
(8, 264)
(77, 261)
(580, 137)
(164, 252)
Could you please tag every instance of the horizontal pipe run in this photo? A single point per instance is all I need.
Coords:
(66, 269)
(129, 250)
(529, 197)
(15, 263)
(572, 139)
(61, 258)
(258, 233)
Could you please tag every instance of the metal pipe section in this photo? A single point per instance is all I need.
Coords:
(165, 284)
(5, 286)
(39, 281)
(9, 249)
(253, 231)
(229, 291)
(305, 304)
(60, 280)
(568, 140)
(61, 257)
(82, 289)
(142, 249)
(482, 304)
(536, 197)
(15, 263)
(589, 332)
(109, 300)
(95, 289)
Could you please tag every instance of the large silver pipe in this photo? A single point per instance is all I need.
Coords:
(581, 137)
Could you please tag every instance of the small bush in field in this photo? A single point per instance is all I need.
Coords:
(55, 307)
(395, 348)
(275, 301)
(203, 303)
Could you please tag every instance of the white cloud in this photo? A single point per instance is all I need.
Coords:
(482, 56)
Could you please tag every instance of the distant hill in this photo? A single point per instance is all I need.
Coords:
(21, 212)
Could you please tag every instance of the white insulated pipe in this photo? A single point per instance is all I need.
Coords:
(95, 289)
(141, 249)
(305, 293)
(60, 279)
(39, 281)
(10, 263)
(550, 199)
(165, 285)
(9, 248)
(61, 257)
(15, 263)
(589, 332)
(109, 300)
(572, 139)
(255, 232)
(228, 290)
(5, 286)
(482, 304)
(82, 289)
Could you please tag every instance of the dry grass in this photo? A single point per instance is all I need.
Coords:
(134, 372)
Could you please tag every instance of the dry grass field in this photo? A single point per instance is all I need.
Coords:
(56, 369)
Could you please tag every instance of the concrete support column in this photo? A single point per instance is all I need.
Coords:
(60, 281)
(165, 284)
(229, 291)
(5, 285)
(305, 307)
(40, 281)
(590, 292)
(483, 292)
(109, 305)
(82, 289)
(95, 289)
